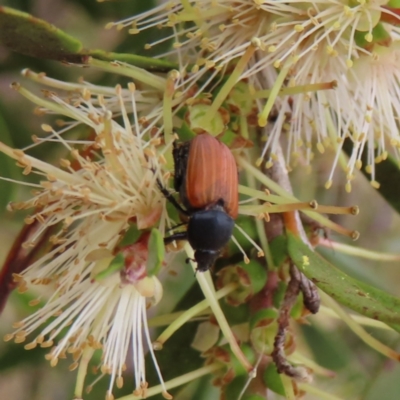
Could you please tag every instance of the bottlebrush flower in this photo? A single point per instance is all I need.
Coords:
(305, 43)
(88, 203)
(97, 313)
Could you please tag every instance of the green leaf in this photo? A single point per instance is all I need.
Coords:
(350, 292)
(279, 294)
(263, 317)
(233, 389)
(184, 132)
(116, 264)
(272, 379)
(25, 34)
(133, 59)
(235, 314)
(32, 36)
(234, 364)
(156, 252)
(256, 273)
(278, 247)
(131, 236)
(253, 397)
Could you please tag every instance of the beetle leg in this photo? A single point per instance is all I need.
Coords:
(175, 236)
(176, 226)
(171, 198)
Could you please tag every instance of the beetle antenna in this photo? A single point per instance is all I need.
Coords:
(259, 249)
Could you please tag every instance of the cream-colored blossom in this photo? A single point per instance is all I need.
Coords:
(217, 32)
(316, 42)
(88, 202)
(108, 315)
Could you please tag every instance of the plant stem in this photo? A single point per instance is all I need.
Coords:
(190, 313)
(82, 371)
(206, 286)
(358, 329)
(181, 380)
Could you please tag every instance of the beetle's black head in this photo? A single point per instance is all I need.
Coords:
(208, 232)
(205, 259)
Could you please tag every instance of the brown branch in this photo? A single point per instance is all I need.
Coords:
(278, 354)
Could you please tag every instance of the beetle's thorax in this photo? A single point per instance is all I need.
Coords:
(210, 229)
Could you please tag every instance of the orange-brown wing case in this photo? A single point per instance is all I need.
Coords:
(211, 175)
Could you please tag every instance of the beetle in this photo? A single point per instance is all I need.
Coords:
(206, 178)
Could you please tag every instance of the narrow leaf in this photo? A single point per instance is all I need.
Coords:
(350, 292)
(147, 63)
(34, 37)
(116, 264)
(25, 34)
(156, 252)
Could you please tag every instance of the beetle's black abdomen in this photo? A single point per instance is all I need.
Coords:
(210, 230)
